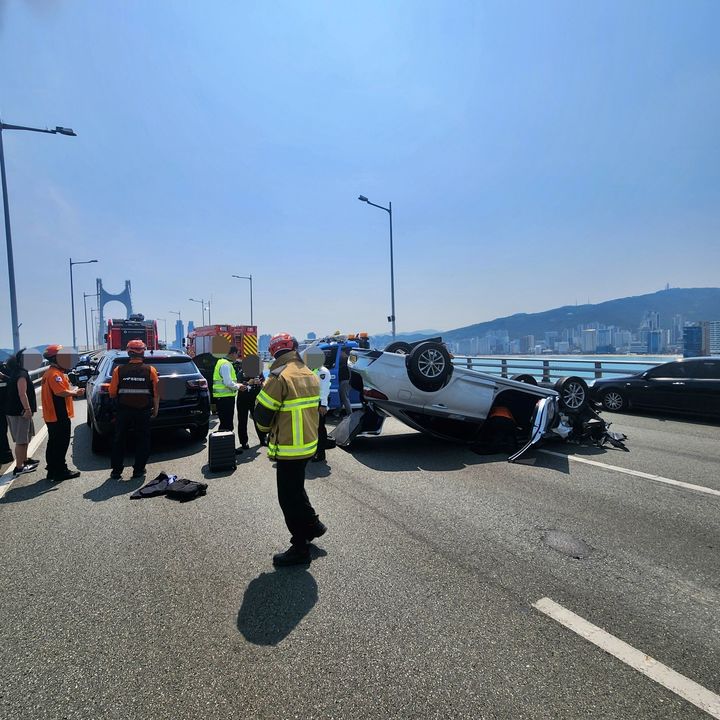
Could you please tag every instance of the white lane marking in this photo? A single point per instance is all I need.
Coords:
(636, 473)
(6, 480)
(667, 677)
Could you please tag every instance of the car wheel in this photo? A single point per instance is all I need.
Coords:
(613, 400)
(200, 432)
(573, 393)
(99, 442)
(529, 379)
(399, 347)
(429, 366)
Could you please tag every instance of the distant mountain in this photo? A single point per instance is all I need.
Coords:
(694, 304)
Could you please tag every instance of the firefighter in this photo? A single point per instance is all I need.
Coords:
(134, 386)
(287, 409)
(57, 405)
(224, 389)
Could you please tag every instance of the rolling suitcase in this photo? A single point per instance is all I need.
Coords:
(221, 451)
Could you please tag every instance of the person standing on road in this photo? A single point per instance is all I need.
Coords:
(246, 406)
(224, 389)
(344, 381)
(6, 455)
(135, 387)
(57, 405)
(287, 409)
(20, 405)
(314, 359)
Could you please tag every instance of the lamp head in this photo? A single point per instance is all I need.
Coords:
(65, 131)
(363, 198)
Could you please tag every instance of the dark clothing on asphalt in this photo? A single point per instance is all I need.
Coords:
(139, 419)
(57, 446)
(300, 516)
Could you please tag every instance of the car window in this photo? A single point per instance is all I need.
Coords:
(166, 368)
(670, 370)
(705, 369)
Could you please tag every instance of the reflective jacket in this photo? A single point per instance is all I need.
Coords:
(219, 389)
(134, 385)
(287, 409)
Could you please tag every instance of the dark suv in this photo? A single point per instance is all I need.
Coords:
(184, 396)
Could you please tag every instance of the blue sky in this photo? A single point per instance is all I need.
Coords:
(536, 154)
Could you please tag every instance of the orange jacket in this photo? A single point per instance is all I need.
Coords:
(54, 382)
(501, 411)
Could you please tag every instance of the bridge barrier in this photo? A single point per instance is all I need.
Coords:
(546, 369)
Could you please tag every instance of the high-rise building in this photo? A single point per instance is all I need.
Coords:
(693, 340)
(588, 341)
(713, 337)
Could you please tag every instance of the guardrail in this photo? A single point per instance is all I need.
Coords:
(548, 369)
(36, 375)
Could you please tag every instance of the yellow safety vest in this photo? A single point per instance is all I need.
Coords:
(219, 388)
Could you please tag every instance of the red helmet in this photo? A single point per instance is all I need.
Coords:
(136, 346)
(281, 341)
(52, 351)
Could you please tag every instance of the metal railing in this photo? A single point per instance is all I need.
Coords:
(36, 375)
(548, 369)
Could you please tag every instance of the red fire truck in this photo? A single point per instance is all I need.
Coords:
(136, 327)
(217, 339)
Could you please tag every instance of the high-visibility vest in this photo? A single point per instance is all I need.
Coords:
(219, 388)
(287, 409)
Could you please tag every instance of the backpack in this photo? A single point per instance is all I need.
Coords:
(184, 489)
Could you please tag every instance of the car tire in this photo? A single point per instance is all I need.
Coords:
(613, 400)
(200, 432)
(574, 394)
(399, 347)
(429, 366)
(525, 378)
(99, 443)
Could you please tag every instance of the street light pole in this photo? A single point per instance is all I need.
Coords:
(72, 293)
(388, 210)
(87, 338)
(202, 305)
(8, 236)
(248, 277)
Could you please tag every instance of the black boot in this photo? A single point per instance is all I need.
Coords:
(294, 555)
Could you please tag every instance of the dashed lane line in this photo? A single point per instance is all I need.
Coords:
(636, 473)
(6, 480)
(667, 677)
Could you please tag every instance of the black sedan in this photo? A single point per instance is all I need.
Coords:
(691, 385)
(184, 396)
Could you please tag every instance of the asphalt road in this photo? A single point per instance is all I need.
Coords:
(419, 602)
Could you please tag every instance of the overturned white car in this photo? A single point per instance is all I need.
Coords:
(418, 384)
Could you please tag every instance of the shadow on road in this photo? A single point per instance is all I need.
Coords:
(411, 452)
(19, 493)
(112, 488)
(275, 602)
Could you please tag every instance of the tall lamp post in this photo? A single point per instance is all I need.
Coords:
(72, 292)
(202, 305)
(8, 237)
(388, 209)
(248, 277)
(87, 338)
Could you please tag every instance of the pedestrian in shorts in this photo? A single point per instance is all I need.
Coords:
(20, 406)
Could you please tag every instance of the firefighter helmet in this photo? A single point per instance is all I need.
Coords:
(136, 347)
(281, 341)
(51, 351)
